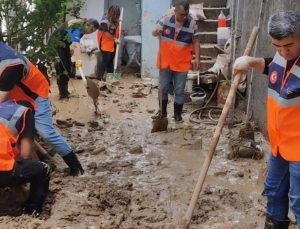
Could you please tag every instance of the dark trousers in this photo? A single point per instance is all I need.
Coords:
(63, 69)
(27, 171)
(107, 64)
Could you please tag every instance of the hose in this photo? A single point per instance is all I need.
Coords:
(200, 110)
(199, 120)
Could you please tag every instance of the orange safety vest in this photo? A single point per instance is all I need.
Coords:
(105, 43)
(176, 48)
(283, 109)
(8, 152)
(10, 114)
(34, 84)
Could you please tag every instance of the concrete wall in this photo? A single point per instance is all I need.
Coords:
(248, 17)
(152, 10)
(132, 18)
(93, 9)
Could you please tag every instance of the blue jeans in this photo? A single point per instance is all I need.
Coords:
(282, 188)
(46, 130)
(178, 79)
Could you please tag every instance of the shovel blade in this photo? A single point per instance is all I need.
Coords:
(160, 124)
(92, 89)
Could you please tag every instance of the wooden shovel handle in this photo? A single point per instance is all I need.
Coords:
(189, 213)
(40, 148)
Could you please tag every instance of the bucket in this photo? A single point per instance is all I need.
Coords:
(198, 97)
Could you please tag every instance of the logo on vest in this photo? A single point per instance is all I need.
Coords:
(273, 77)
(167, 31)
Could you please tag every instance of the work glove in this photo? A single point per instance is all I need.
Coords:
(117, 41)
(241, 65)
(157, 32)
(78, 64)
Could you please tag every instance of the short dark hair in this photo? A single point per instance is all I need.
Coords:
(284, 24)
(183, 3)
(93, 22)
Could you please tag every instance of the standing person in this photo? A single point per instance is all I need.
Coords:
(21, 80)
(68, 33)
(108, 37)
(282, 184)
(177, 43)
(16, 165)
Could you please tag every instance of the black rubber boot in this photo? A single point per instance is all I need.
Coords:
(276, 224)
(63, 90)
(74, 164)
(164, 112)
(177, 112)
(164, 108)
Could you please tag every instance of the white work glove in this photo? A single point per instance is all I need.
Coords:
(241, 65)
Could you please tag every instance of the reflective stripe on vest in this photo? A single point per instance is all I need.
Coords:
(10, 114)
(176, 48)
(9, 57)
(33, 83)
(283, 108)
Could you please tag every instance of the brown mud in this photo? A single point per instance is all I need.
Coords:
(138, 179)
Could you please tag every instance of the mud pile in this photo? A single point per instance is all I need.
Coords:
(135, 179)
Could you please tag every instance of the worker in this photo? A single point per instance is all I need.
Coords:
(21, 80)
(68, 33)
(16, 165)
(282, 183)
(177, 44)
(108, 37)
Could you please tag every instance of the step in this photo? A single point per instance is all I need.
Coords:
(207, 37)
(210, 25)
(215, 3)
(207, 64)
(213, 13)
(208, 50)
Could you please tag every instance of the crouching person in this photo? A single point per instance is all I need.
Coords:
(16, 165)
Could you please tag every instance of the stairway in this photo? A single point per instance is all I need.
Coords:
(208, 30)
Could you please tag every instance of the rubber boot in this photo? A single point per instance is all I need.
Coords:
(276, 224)
(64, 93)
(177, 112)
(74, 164)
(63, 89)
(164, 112)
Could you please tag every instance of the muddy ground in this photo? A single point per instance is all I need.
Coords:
(138, 179)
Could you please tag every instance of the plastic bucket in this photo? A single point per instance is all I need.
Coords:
(198, 97)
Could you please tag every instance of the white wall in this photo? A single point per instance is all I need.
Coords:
(93, 9)
(132, 19)
(152, 10)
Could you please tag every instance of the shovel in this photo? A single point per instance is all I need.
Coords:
(117, 75)
(92, 90)
(160, 123)
(91, 87)
(215, 139)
